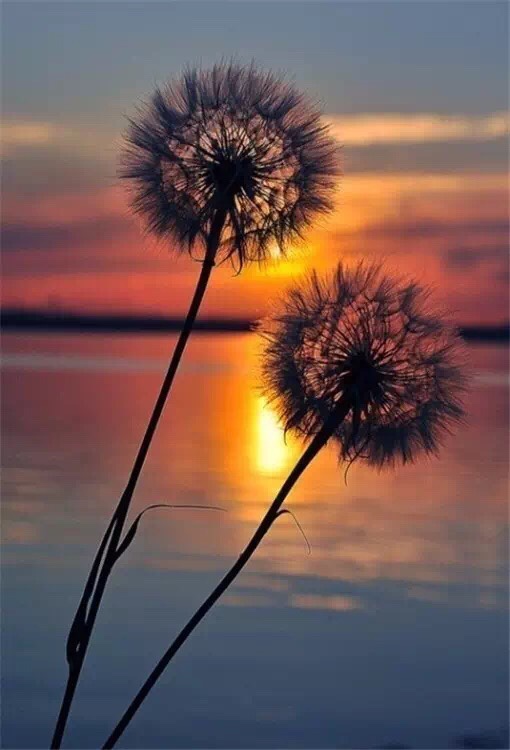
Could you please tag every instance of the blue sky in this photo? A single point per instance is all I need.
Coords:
(89, 57)
(417, 93)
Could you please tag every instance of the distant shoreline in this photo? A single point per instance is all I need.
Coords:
(113, 323)
(39, 320)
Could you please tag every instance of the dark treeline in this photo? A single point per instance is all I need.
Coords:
(112, 323)
(42, 320)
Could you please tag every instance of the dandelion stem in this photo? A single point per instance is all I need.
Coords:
(81, 629)
(340, 412)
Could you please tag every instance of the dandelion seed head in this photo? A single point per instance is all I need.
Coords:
(376, 341)
(233, 139)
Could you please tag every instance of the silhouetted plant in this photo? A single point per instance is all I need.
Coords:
(359, 358)
(235, 148)
(364, 336)
(223, 163)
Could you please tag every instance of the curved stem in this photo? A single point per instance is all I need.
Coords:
(105, 557)
(309, 454)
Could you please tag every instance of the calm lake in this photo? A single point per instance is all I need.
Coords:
(393, 630)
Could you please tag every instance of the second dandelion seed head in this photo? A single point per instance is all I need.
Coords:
(375, 343)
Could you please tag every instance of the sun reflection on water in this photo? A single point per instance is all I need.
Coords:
(429, 526)
(272, 453)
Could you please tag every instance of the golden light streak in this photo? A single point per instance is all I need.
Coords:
(272, 454)
(275, 252)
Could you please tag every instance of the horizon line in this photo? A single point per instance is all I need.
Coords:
(17, 318)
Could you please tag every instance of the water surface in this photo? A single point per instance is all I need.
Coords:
(394, 628)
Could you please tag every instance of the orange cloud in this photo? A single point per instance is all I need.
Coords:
(84, 249)
(19, 133)
(371, 129)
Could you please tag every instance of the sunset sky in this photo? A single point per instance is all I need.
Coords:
(416, 94)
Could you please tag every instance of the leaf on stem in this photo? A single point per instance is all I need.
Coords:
(285, 510)
(75, 636)
(130, 534)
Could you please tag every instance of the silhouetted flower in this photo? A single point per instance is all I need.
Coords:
(229, 162)
(361, 358)
(234, 140)
(364, 336)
